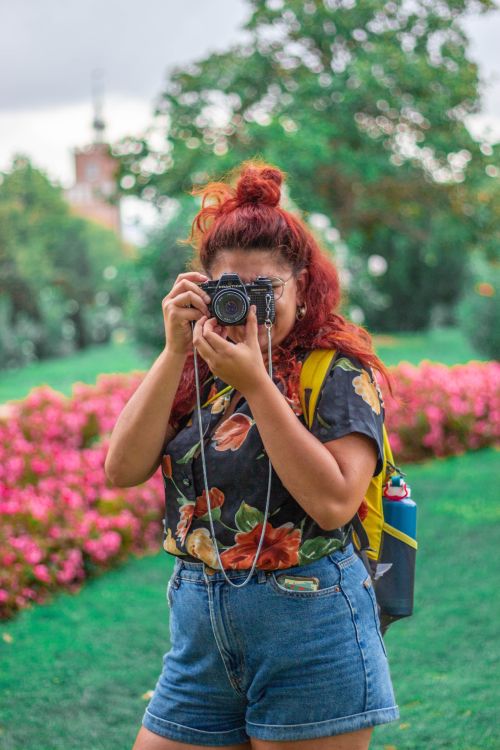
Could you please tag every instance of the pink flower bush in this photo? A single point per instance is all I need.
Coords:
(61, 521)
(441, 410)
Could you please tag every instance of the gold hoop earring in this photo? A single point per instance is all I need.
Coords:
(300, 313)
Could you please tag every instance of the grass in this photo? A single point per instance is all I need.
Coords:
(445, 345)
(75, 671)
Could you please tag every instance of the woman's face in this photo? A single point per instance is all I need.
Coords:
(249, 264)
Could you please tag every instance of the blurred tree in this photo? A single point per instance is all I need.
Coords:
(56, 270)
(364, 106)
(479, 308)
(151, 277)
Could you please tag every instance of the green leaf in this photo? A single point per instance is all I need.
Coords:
(314, 549)
(346, 365)
(322, 421)
(187, 457)
(215, 515)
(248, 517)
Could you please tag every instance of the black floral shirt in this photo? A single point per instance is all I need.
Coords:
(237, 472)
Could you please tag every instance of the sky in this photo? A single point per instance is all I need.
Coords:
(50, 49)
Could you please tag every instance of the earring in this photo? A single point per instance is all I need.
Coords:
(301, 312)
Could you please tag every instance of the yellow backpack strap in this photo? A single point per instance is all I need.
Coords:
(314, 370)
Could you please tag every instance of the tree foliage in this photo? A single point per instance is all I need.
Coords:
(55, 294)
(364, 106)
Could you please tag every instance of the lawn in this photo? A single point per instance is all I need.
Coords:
(75, 672)
(445, 345)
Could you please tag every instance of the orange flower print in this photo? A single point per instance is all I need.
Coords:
(166, 466)
(169, 544)
(186, 518)
(219, 406)
(216, 500)
(363, 510)
(280, 548)
(365, 388)
(232, 432)
(212, 392)
(199, 544)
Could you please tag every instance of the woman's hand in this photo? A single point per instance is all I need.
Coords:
(177, 313)
(240, 365)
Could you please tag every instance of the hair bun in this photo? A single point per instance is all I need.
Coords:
(259, 185)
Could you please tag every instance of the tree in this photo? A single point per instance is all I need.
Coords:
(52, 268)
(364, 105)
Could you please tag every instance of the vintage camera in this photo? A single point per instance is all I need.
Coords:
(231, 299)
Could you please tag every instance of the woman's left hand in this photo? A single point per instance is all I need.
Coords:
(240, 365)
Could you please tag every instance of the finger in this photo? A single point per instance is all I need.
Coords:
(217, 342)
(198, 332)
(186, 285)
(192, 275)
(251, 326)
(187, 299)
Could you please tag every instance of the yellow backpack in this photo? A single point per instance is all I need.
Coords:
(373, 535)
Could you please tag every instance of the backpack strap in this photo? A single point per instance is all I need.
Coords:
(314, 371)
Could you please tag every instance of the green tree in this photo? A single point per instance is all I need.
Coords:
(152, 276)
(364, 105)
(56, 290)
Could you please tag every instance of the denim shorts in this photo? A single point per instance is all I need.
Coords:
(268, 662)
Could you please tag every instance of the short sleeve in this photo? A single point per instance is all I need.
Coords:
(350, 401)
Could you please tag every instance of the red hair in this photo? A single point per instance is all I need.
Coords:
(248, 217)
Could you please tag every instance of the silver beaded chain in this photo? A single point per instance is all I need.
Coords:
(268, 324)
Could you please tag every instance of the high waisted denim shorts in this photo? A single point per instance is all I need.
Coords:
(268, 662)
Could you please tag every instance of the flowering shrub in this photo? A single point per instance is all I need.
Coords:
(441, 410)
(62, 522)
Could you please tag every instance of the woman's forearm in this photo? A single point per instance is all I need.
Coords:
(306, 468)
(139, 433)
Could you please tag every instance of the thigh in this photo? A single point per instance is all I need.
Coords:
(359, 740)
(147, 740)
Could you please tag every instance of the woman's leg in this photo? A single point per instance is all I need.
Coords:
(358, 740)
(147, 740)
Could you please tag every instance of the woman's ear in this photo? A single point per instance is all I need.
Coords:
(301, 282)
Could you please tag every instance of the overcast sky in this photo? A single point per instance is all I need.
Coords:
(50, 47)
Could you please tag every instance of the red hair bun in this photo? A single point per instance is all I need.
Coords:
(259, 186)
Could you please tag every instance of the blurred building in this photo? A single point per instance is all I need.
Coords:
(95, 181)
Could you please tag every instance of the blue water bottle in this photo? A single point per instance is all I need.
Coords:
(400, 511)
(395, 575)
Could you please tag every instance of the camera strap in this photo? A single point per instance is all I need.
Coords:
(268, 324)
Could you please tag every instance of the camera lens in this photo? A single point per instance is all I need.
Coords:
(230, 306)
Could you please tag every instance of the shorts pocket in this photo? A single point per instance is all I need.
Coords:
(325, 571)
(370, 591)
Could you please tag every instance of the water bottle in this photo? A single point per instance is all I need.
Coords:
(395, 572)
(400, 511)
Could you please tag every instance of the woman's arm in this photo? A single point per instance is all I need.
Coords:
(329, 480)
(142, 429)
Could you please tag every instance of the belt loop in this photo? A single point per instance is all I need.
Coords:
(262, 576)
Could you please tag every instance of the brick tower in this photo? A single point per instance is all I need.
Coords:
(95, 182)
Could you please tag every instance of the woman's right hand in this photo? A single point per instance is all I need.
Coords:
(177, 315)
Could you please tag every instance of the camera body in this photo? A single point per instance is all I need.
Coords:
(231, 299)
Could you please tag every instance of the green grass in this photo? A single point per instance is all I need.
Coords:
(62, 372)
(445, 345)
(77, 668)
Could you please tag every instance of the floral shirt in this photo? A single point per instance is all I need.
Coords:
(237, 472)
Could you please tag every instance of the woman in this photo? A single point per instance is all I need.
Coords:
(294, 658)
